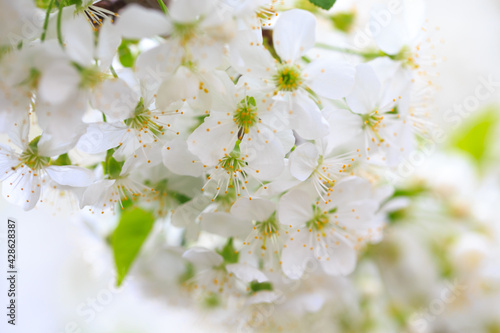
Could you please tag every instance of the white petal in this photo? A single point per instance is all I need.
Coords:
(22, 188)
(312, 302)
(187, 213)
(188, 186)
(50, 147)
(157, 64)
(213, 139)
(203, 257)
(287, 140)
(8, 162)
(283, 183)
(20, 20)
(357, 215)
(294, 257)
(208, 56)
(396, 88)
(19, 129)
(390, 33)
(253, 210)
(143, 157)
(178, 159)
(59, 81)
(223, 90)
(306, 118)
(70, 175)
(330, 79)
(252, 60)
(15, 105)
(351, 189)
(303, 161)
(101, 137)
(344, 125)
(115, 98)
(63, 122)
(295, 208)
(96, 193)
(294, 34)
(263, 296)
(226, 225)
(414, 12)
(394, 32)
(265, 160)
(136, 22)
(246, 273)
(186, 11)
(183, 85)
(79, 40)
(385, 68)
(109, 40)
(342, 257)
(365, 96)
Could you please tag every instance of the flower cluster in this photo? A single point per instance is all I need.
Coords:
(262, 152)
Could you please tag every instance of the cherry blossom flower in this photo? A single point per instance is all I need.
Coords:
(25, 173)
(378, 117)
(326, 231)
(295, 86)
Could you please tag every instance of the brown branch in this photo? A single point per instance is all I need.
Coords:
(117, 5)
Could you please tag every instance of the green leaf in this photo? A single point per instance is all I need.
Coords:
(132, 230)
(343, 21)
(77, 3)
(125, 55)
(188, 274)
(211, 300)
(62, 160)
(33, 144)
(229, 253)
(126, 203)
(251, 101)
(256, 286)
(112, 167)
(324, 4)
(43, 4)
(475, 136)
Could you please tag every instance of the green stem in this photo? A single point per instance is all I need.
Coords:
(46, 22)
(163, 7)
(111, 68)
(369, 55)
(314, 97)
(59, 20)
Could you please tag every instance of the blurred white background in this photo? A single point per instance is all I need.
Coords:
(62, 266)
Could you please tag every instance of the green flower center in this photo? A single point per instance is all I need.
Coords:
(34, 161)
(245, 116)
(226, 200)
(372, 120)
(31, 158)
(33, 78)
(288, 78)
(143, 120)
(267, 228)
(319, 220)
(232, 163)
(406, 57)
(185, 31)
(90, 77)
